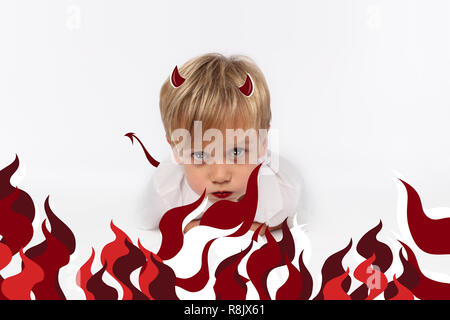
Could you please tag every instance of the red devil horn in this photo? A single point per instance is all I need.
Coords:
(176, 79)
(247, 87)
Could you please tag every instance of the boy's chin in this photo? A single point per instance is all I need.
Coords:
(234, 199)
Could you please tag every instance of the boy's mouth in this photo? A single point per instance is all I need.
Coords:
(222, 194)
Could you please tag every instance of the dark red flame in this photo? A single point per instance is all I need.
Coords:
(148, 272)
(99, 289)
(120, 258)
(307, 281)
(163, 287)
(367, 247)
(112, 252)
(299, 284)
(171, 227)
(247, 87)
(59, 229)
(236, 213)
(198, 281)
(15, 228)
(286, 245)
(261, 262)
(124, 266)
(402, 292)
(292, 288)
(230, 285)
(24, 204)
(150, 159)
(176, 79)
(332, 268)
(430, 235)
(51, 255)
(409, 278)
(427, 289)
(5, 255)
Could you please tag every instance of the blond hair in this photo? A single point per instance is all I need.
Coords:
(210, 93)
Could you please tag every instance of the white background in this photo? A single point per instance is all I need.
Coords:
(359, 92)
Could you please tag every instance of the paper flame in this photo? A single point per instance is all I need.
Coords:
(156, 280)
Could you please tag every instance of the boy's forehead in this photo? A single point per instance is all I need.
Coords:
(228, 137)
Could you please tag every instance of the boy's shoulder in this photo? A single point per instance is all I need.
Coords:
(161, 193)
(287, 173)
(167, 177)
(281, 188)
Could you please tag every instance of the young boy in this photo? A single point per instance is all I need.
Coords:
(216, 114)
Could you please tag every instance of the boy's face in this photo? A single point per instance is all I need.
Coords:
(223, 164)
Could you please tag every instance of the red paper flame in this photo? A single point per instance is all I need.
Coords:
(148, 272)
(368, 246)
(24, 204)
(124, 266)
(237, 213)
(15, 228)
(403, 292)
(332, 268)
(430, 235)
(99, 289)
(365, 273)
(163, 287)
(5, 258)
(120, 258)
(230, 285)
(409, 278)
(333, 288)
(19, 286)
(172, 230)
(261, 262)
(53, 257)
(111, 253)
(427, 289)
(299, 284)
(84, 274)
(292, 288)
(198, 281)
(5, 255)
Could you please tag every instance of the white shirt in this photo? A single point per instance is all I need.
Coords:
(279, 192)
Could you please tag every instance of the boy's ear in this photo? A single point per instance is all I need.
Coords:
(174, 150)
(264, 145)
(264, 148)
(169, 141)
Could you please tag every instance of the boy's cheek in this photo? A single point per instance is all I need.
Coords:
(195, 178)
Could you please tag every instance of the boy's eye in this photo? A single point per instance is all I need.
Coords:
(237, 152)
(199, 155)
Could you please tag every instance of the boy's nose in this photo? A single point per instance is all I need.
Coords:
(220, 173)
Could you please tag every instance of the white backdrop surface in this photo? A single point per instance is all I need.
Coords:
(359, 96)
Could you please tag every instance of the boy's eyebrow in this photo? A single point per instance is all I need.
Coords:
(244, 142)
(240, 143)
